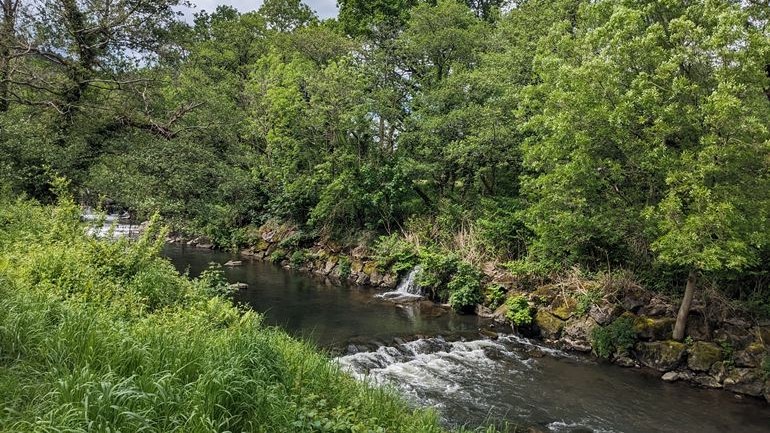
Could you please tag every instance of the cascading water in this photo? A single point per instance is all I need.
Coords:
(408, 289)
(536, 388)
(112, 225)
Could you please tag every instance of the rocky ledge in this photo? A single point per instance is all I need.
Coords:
(731, 353)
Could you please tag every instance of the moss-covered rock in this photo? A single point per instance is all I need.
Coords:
(564, 309)
(653, 329)
(549, 325)
(660, 355)
(702, 355)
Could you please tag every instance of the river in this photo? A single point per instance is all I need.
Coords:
(439, 359)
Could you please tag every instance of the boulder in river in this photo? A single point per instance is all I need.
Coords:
(233, 263)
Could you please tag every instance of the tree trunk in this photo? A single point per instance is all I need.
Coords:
(684, 309)
(7, 35)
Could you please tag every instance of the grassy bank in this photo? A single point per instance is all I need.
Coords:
(106, 336)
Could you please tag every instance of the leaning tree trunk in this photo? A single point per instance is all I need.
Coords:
(684, 309)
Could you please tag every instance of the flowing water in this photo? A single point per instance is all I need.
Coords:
(439, 359)
(408, 289)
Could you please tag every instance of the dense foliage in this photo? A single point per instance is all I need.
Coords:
(107, 336)
(602, 134)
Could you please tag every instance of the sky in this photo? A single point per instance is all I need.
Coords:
(324, 8)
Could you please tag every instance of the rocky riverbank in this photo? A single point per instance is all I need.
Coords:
(623, 323)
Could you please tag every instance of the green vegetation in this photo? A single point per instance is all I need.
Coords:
(465, 288)
(345, 267)
(494, 296)
(298, 258)
(107, 336)
(587, 299)
(519, 311)
(616, 338)
(766, 367)
(602, 135)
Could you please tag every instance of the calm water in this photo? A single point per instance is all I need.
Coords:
(472, 380)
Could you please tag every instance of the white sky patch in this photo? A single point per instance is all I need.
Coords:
(324, 8)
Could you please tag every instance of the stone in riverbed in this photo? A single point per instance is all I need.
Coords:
(239, 286)
(747, 381)
(660, 355)
(233, 263)
(702, 355)
(671, 376)
(707, 381)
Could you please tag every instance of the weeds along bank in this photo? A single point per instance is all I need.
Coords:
(106, 336)
(608, 314)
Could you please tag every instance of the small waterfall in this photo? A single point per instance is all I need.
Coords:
(408, 288)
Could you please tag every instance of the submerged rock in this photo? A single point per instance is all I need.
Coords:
(234, 263)
(660, 355)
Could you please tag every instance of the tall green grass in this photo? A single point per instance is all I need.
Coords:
(105, 336)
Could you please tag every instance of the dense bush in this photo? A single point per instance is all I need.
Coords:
(395, 254)
(615, 338)
(494, 296)
(436, 270)
(519, 311)
(465, 288)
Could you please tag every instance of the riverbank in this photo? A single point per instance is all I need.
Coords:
(440, 359)
(606, 315)
(100, 335)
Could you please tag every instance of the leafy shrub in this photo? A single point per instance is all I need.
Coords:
(494, 296)
(617, 337)
(298, 258)
(437, 268)
(344, 267)
(518, 312)
(465, 288)
(728, 352)
(277, 256)
(213, 282)
(501, 229)
(393, 253)
(766, 367)
(530, 268)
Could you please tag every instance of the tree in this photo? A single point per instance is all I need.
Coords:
(363, 17)
(287, 15)
(648, 124)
